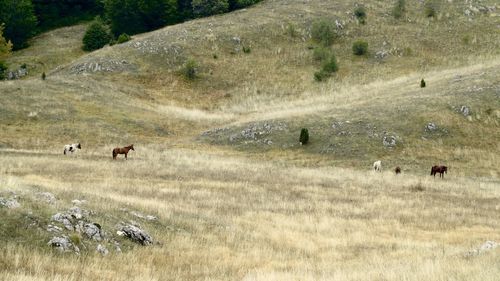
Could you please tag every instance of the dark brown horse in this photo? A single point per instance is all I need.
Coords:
(397, 170)
(439, 169)
(122, 150)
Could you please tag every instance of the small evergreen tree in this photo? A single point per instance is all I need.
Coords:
(422, 83)
(360, 14)
(20, 21)
(399, 9)
(190, 69)
(323, 32)
(430, 8)
(43, 76)
(5, 48)
(202, 8)
(330, 65)
(304, 136)
(360, 47)
(124, 37)
(96, 36)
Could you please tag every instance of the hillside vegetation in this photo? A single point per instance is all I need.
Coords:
(218, 160)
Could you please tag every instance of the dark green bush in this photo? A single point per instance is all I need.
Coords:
(360, 47)
(43, 76)
(422, 83)
(430, 9)
(399, 9)
(323, 32)
(360, 14)
(321, 75)
(304, 136)
(238, 4)
(124, 37)
(321, 53)
(330, 64)
(3, 70)
(246, 50)
(203, 8)
(190, 69)
(96, 36)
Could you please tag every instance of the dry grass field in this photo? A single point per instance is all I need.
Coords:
(218, 162)
(227, 217)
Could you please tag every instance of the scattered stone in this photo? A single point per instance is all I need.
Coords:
(103, 65)
(339, 24)
(102, 250)
(17, 74)
(485, 247)
(47, 197)
(63, 244)
(465, 110)
(65, 219)
(92, 230)
(53, 228)
(431, 127)
(78, 202)
(135, 234)
(382, 54)
(78, 213)
(142, 216)
(9, 203)
(389, 141)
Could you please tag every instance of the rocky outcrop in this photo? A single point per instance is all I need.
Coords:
(135, 234)
(63, 244)
(10, 203)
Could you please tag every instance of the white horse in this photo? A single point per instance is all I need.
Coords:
(377, 166)
(71, 147)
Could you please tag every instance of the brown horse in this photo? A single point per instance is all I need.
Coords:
(397, 170)
(122, 150)
(439, 169)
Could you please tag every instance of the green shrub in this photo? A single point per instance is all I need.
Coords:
(330, 65)
(190, 69)
(360, 47)
(321, 53)
(215, 56)
(124, 37)
(43, 76)
(292, 31)
(96, 36)
(360, 14)
(430, 9)
(399, 9)
(202, 8)
(238, 4)
(323, 32)
(3, 70)
(304, 136)
(246, 50)
(422, 83)
(320, 76)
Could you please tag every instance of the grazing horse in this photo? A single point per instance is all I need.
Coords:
(397, 170)
(122, 150)
(71, 147)
(377, 166)
(439, 169)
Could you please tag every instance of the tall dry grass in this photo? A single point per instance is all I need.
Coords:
(233, 218)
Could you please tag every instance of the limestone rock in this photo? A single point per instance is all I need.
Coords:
(63, 244)
(102, 250)
(9, 203)
(136, 234)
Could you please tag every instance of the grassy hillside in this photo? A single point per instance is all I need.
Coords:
(227, 217)
(218, 160)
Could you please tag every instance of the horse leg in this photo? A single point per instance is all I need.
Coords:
(125, 156)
